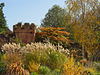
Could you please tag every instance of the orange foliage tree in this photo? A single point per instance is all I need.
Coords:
(56, 35)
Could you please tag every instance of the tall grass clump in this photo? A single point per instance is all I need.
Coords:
(13, 58)
(45, 53)
(30, 48)
(32, 56)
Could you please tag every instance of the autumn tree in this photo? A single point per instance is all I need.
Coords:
(56, 17)
(54, 34)
(2, 19)
(83, 20)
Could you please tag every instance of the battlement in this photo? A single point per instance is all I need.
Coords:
(25, 32)
(24, 28)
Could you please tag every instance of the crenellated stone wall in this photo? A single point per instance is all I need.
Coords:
(25, 32)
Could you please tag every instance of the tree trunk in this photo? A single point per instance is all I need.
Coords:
(83, 52)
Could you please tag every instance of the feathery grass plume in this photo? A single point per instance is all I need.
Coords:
(30, 48)
(11, 48)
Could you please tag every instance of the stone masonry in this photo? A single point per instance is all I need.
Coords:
(25, 32)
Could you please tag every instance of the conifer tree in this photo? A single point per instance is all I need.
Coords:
(2, 19)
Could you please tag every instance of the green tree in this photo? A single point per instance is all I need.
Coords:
(56, 17)
(2, 19)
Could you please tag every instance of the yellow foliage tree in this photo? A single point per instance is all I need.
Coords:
(83, 21)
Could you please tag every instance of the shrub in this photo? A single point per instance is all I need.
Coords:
(17, 41)
(3, 58)
(44, 70)
(27, 57)
(2, 64)
(33, 66)
(2, 67)
(11, 65)
(12, 53)
(34, 73)
(11, 58)
(84, 61)
(38, 57)
(15, 69)
(90, 71)
(70, 68)
(0, 56)
(57, 59)
(77, 54)
(53, 59)
(97, 65)
(44, 59)
(56, 72)
(45, 54)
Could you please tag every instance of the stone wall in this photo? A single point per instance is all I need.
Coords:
(25, 32)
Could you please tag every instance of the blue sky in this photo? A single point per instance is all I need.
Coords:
(31, 11)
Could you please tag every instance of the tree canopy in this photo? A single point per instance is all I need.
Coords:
(56, 17)
(84, 22)
(2, 19)
(56, 35)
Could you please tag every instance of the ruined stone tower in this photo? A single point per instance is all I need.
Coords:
(25, 32)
